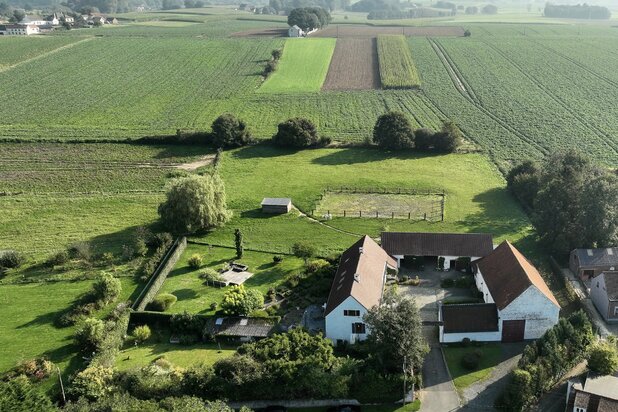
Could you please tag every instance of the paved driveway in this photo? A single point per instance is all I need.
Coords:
(438, 394)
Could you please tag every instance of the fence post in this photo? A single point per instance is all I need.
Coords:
(360, 213)
(377, 213)
(409, 214)
(344, 213)
(392, 215)
(425, 216)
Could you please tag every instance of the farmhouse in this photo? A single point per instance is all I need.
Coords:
(588, 263)
(513, 288)
(279, 205)
(36, 20)
(595, 394)
(604, 295)
(357, 287)
(450, 246)
(19, 29)
(295, 31)
(111, 20)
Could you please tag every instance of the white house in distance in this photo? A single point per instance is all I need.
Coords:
(19, 29)
(357, 287)
(518, 303)
(296, 31)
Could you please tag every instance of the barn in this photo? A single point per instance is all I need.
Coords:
(276, 205)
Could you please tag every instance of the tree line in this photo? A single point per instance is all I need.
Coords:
(578, 11)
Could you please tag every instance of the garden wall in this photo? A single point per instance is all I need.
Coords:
(160, 274)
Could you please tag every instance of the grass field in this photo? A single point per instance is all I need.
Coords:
(195, 297)
(397, 70)
(302, 68)
(462, 378)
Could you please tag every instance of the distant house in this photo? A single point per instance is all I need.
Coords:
(21, 29)
(239, 328)
(276, 205)
(595, 394)
(111, 20)
(98, 20)
(52, 20)
(604, 295)
(588, 263)
(512, 288)
(357, 287)
(450, 246)
(296, 31)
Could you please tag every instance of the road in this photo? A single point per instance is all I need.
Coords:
(438, 394)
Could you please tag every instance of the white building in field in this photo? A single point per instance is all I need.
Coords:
(518, 304)
(19, 29)
(296, 31)
(357, 287)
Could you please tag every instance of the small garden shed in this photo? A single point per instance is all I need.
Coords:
(276, 205)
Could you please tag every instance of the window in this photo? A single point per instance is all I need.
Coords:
(358, 328)
(578, 409)
(615, 310)
(349, 312)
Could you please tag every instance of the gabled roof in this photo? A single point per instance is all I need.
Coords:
(360, 274)
(240, 327)
(611, 284)
(508, 274)
(295, 27)
(597, 257)
(437, 244)
(276, 201)
(482, 317)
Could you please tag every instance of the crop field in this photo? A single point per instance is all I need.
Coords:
(379, 205)
(397, 70)
(302, 68)
(359, 31)
(354, 66)
(15, 49)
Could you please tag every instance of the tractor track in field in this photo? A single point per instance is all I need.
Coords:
(43, 55)
(607, 138)
(460, 85)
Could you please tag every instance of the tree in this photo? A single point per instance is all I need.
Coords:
(489, 9)
(18, 16)
(303, 250)
(195, 261)
(523, 181)
(393, 131)
(20, 395)
(238, 241)
(106, 288)
(603, 358)
(423, 139)
(296, 132)
(599, 201)
(239, 301)
(142, 333)
(195, 203)
(230, 131)
(395, 333)
(275, 4)
(449, 138)
(309, 18)
(93, 383)
(89, 335)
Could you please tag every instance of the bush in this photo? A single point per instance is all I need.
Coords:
(81, 250)
(448, 139)
(142, 333)
(277, 259)
(162, 302)
(57, 259)
(271, 66)
(465, 342)
(303, 250)
(447, 283)
(106, 288)
(316, 265)
(89, 335)
(393, 131)
(211, 275)
(186, 324)
(195, 261)
(230, 131)
(11, 259)
(240, 301)
(296, 132)
(276, 54)
(37, 369)
(470, 360)
(92, 383)
(603, 358)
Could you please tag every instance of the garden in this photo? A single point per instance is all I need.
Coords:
(469, 363)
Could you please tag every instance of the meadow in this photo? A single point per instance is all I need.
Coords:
(302, 68)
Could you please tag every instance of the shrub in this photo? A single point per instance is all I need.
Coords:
(211, 275)
(213, 306)
(603, 358)
(296, 132)
(195, 261)
(89, 335)
(276, 54)
(423, 139)
(80, 250)
(37, 368)
(92, 383)
(271, 66)
(186, 324)
(393, 131)
(465, 342)
(303, 250)
(160, 240)
(162, 302)
(471, 360)
(448, 139)
(57, 259)
(106, 288)
(230, 131)
(277, 259)
(11, 259)
(316, 265)
(142, 333)
(240, 301)
(447, 283)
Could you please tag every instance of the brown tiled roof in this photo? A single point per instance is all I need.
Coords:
(437, 244)
(360, 275)
(481, 317)
(508, 274)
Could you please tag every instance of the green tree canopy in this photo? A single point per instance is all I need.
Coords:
(195, 203)
(230, 131)
(107, 288)
(20, 395)
(393, 131)
(603, 358)
(89, 335)
(309, 18)
(296, 132)
(241, 301)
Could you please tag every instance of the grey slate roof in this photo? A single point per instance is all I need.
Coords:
(481, 317)
(437, 244)
(597, 257)
(240, 327)
(611, 286)
(276, 201)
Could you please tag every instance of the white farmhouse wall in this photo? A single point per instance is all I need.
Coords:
(481, 285)
(339, 327)
(532, 305)
(477, 336)
(598, 294)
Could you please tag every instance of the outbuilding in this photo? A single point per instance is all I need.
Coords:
(588, 263)
(604, 295)
(276, 205)
(295, 31)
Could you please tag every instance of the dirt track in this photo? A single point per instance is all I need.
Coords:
(354, 66)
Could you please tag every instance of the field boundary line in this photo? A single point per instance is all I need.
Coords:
(84, 194)
(43, 55)
(600, 133)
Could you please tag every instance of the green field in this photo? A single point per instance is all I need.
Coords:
(302, 68)
(462, 377)
(397, 70)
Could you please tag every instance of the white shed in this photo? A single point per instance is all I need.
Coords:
(295, 31)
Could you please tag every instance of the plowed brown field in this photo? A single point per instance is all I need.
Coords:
(345, 30)
(354, 66)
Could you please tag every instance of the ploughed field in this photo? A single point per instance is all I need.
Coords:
(354, 66)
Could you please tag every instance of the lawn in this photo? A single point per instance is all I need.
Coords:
(462, 377)
(179, 355)
(195, 297)
(302, 67)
